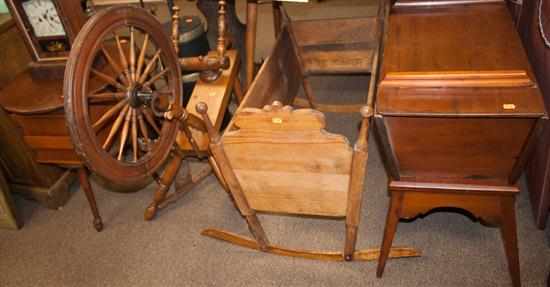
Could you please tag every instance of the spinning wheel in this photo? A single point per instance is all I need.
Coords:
(123, 61)
(123, 100)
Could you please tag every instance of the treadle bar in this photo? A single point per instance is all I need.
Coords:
(359, 255)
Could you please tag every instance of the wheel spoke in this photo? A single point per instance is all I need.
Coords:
(155, 78)
(102, 88)
(149, 67)
(124, 135)
(108, 96)
(122, 57)
(151, 119)
(114, 129)
(108, 79)
(134, 135)
(108, 115)
(132, 55)
(142, 56)
(143, 127)
(118, 70)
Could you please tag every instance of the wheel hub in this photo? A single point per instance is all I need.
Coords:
(138, 97)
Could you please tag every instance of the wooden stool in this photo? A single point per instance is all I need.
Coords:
(492, 205)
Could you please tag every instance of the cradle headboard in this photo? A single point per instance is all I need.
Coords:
(286, 162)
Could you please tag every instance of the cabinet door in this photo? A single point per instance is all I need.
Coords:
(7, 206)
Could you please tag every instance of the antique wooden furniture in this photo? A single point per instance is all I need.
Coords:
(268, 148)
(49, 27)
(458, 112)
(32, 122)
(538, 49)
(128, 141)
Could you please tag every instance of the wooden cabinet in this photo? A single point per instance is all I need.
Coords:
(32, 127)
(457, 97)
(458, 113)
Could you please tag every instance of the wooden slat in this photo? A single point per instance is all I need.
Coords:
(287, 120)
(320, 194)
(331, 31)
(319, 62)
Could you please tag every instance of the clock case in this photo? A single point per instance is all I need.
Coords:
(49, 64)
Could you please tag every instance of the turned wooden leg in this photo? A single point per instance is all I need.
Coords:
(351, 239)
(85, 185)
(165, 182)
(251, 26)
(389, 231)
(509, 238)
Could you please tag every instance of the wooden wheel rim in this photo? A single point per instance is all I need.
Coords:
(77, 73)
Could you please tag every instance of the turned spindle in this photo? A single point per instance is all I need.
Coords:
(175, 28)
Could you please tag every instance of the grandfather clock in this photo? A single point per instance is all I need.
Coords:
(48, 28)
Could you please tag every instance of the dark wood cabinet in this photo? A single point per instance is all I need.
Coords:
(458, 114)
(458, 101)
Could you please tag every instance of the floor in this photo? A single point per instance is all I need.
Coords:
(60, 248)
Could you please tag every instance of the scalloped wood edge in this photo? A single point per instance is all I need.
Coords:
(359, 255)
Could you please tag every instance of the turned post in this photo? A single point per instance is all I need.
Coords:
(176, 28)
(357, 180)
(164, 182)
(222, 27)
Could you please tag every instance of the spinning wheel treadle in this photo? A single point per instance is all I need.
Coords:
(126, 50)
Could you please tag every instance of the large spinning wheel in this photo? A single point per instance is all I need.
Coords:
(121, 78)
(123, 100)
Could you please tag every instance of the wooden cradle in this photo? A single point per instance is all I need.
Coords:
(276, 159)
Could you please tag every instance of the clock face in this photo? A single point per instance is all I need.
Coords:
(43, 18)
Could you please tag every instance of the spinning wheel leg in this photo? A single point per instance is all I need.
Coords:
(85, 185)
(165, 182)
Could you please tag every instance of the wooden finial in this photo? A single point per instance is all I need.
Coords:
(366, 111)
(175, 27)
(221, 27)
(202, 109)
